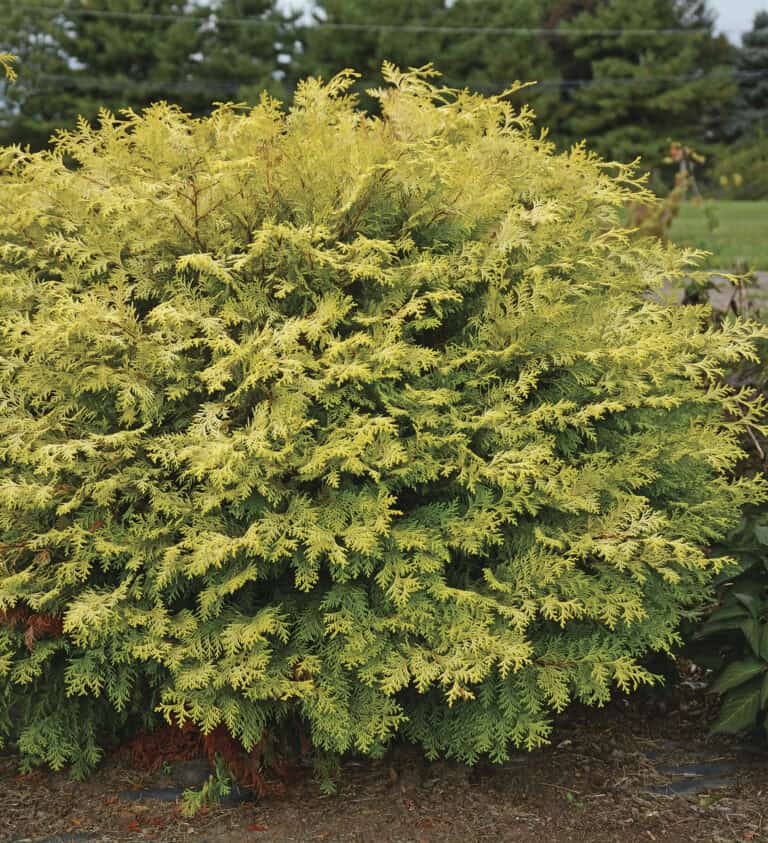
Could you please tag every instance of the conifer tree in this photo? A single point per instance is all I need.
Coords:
(752, 64)
(366, 423)
(355, 33)
(483, 52)
(643, 89)
(120, 54)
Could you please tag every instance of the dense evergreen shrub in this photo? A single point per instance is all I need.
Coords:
(363, 424)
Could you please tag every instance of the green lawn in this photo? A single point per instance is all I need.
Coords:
(740, 233)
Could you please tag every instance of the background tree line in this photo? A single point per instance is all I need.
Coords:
(629, 75)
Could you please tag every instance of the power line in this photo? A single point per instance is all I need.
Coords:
(362, 27)
(735, 75)
(231, 86)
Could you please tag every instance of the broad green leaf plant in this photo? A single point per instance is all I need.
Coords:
(733, 639)
(370, 423)
(738, 634)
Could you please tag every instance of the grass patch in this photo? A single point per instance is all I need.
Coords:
(735, 232)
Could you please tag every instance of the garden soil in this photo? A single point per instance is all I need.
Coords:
(641, 769)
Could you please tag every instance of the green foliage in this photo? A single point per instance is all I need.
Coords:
(733, 638)
(117, 54)
(736, 638)
(366, 422)
(658, 97)
(327, 49)
(751, 107)
(465, 35)
(741, 169)
(217, 787)
(489, 62)
(629, 95)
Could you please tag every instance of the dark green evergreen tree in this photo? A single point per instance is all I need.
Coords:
(121, 53)
(482, 52)
(246, 58)
(644, 88)
(356, 33)
(752, 66)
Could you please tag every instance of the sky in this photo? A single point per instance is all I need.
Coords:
(735, 16)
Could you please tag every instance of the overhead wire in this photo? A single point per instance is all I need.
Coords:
(230, 86)
(118, 14)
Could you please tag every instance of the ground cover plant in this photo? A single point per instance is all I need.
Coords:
(314, 423)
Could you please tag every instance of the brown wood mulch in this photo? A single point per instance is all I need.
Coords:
(642, 769)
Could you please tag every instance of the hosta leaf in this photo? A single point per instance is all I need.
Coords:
(753, 631)
(750, 595)
(760, 532)
(764, 693)
(739, 710)
(729, 611)
(737, 673)
(726, 618)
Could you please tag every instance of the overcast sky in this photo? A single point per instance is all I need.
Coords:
(735, 16)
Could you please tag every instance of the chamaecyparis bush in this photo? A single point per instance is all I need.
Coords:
(369, 424)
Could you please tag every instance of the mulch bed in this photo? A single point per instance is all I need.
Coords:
(642, 769)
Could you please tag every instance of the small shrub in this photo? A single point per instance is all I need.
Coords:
(741, 172)
(366, 424)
